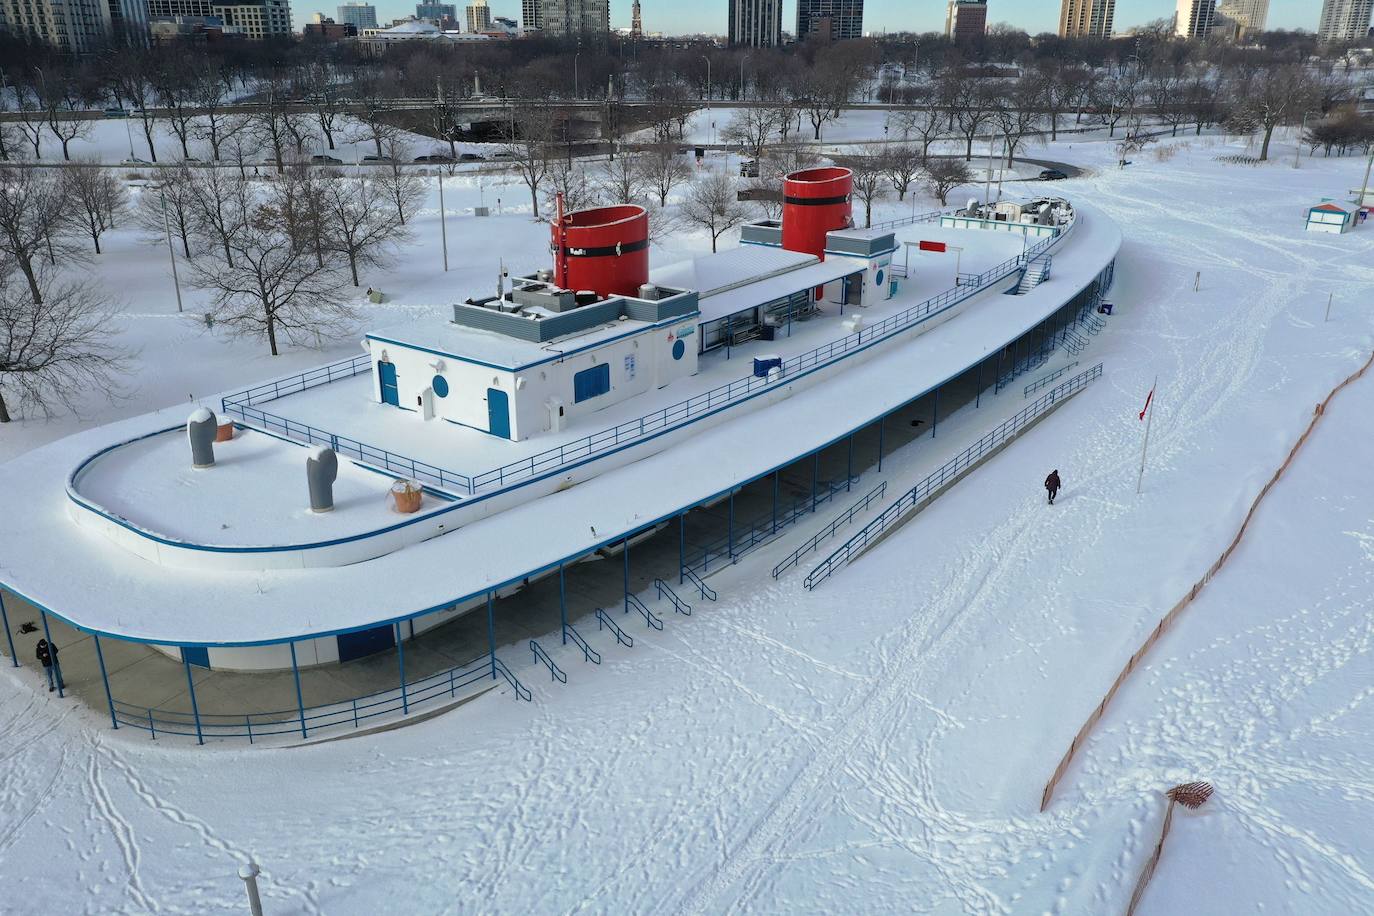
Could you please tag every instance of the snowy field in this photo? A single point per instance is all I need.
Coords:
(880, 744)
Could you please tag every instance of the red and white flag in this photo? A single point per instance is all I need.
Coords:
(1146, 409)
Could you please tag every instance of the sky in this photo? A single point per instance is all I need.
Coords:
(691, 16)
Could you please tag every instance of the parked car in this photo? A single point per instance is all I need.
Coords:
(382, 159)
(471, 157)
(434, 157)
(321, 159)
(1052, 175)
(135, 162)
(116, 113)
(503, 154)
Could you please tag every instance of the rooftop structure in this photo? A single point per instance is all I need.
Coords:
(359, 15)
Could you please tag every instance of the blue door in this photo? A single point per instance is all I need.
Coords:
(390, 394)
(196, 655)
(365, 642)
(498, 412)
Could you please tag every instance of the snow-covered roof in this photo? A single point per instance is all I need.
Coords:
(445, 338)
(776, 287)
(1330, 207)
(714, 273)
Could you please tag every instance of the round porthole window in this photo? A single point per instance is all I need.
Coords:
(679, 349)
(879, 279)
(440, 386)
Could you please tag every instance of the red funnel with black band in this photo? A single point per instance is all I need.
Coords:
(814, 202)
(605, 249)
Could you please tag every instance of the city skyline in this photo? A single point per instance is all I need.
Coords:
(710, 17)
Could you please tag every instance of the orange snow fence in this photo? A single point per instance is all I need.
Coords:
(1197, 588)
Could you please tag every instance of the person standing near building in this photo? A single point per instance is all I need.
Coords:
(47, 657)
(1052, 484)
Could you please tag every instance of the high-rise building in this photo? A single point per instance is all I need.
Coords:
(254, 19)
(1195, 18)
(756, 23)
(436, 12)
(966, 20)
(1242, 17)
(479, 17)
(360, 15)
(577, 17)
(636, 22)
(836, 20)
(1087, 18)
(77, 26)
(532, 14)
(1345, 20)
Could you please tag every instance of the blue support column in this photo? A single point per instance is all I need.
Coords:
(52, 647)
(978, 398)
(5, 618)
(105, 679)
(775, 501)
(815, 477)
(849, 467)
(681, 546)
(401, 662)
(491, 634)
(626, 574)
(195, 709)
(730, 535)
(563, 603)
(935, 414)
(882, 428)
(300, 697)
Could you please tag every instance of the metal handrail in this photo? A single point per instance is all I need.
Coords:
(664, 589)
(650, 618)
(542, 656)
(707, 593)
(588, 653)
(652, 423)
(521, 691)
(736, 544)
(844, 518)
(947, 472)
(1047, 379)
(604, 619)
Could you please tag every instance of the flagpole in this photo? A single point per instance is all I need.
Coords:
(1144, 447)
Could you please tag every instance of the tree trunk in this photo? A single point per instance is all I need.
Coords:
(95, 238)
(353, 266)
(1268, 135)
(534, 199)
(66, 153)
(272, 333)
(148, 135)
(968, 152)
(228, 258)
(26, 267)
(4, 410)
(1054, 125)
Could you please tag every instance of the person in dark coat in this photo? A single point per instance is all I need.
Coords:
(1052, 484)
(47, 657)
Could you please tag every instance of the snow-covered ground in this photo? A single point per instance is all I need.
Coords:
(880, 744)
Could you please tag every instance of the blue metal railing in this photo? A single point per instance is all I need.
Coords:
(844, 518)
(1073, 343)
(948, 472)
(707, 593)
(542, 656)
(665, 590)
(295, 384)
(588, 653)
(353, 713)
(240, 405)
(649, 616)
(750, 536)
(604, 620)
(1050, 379)
(928, 217)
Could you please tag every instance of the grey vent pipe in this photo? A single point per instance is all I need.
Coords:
(321, 470)
(200, 429)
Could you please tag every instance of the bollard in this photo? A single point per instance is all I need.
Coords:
(201, 429)
(249, 873)
(321, 470)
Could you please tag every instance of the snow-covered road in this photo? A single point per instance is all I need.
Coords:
(880, 745)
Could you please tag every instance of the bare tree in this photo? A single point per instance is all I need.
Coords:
(942, 176)
(214, 124)
(1275, 95)
(622, 180)
(402, 187)
(133, 78)
(870, 177)
(902, 166)
(927, 123)
(664, 169)
(54, 347)
(61, 94)
(974, 110)
(527, 142)
(269, 125)
(175, 84)
(35, 220)
(1017, 112)
(713, 204)
(32, 116)
(220, 205)
(96, 196)
(360, 223)
(167, 206)
(570, 180)
(751, 129)
(277, 288)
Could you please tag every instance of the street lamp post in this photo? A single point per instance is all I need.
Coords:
(741, 76)
(710, 124)
(576, 91)
(171, 254)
